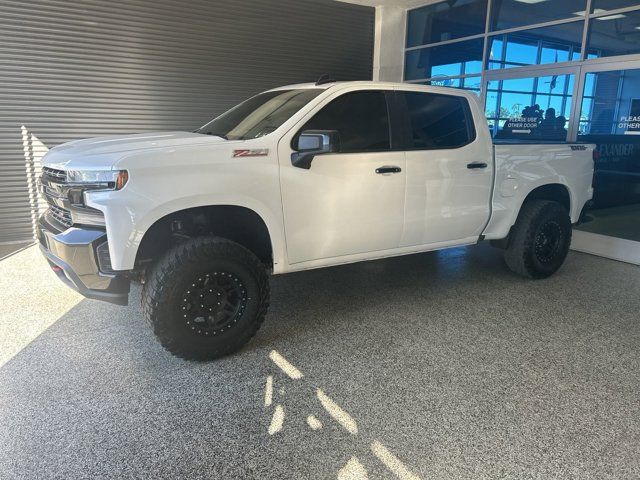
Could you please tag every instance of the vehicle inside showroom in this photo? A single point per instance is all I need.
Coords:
(319, 239)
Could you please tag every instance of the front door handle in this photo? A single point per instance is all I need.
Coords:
(476, 165)
(387, 170)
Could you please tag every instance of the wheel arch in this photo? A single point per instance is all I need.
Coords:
(238, 223)
(556, 192)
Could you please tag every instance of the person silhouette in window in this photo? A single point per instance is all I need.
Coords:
(560, 130)
(547, 128)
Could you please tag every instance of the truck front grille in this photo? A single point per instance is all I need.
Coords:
(59, 215)
(59, 176)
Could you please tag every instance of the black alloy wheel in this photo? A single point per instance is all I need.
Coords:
(539, 241)
(548, 241)
(213, 303)
(206, 297)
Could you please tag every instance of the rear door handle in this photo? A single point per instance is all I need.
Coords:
(476, 165)
(387, 169)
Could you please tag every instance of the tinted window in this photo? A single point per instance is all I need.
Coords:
(445, 21)
(360, 118)
(518, 13)
(459, 58)
(438, 121)
(598, 6)
(616, 34)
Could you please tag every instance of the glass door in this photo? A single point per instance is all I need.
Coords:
(597, 103)
(610, 117)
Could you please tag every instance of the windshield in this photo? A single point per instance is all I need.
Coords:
(259, 115)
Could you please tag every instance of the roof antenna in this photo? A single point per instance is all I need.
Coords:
(326, 78)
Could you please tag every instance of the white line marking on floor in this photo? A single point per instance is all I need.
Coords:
(285, 366)
(392, 462)
(338, 414)
(268, 391)
(277, 420)
(314, 423)
(353, 470)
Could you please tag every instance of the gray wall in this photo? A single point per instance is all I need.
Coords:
(73, 69)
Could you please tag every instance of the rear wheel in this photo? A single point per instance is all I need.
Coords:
(540, 239)
(206, 298)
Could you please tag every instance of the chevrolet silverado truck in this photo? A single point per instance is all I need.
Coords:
(298, 177)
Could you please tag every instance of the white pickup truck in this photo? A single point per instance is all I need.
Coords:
(298, 177)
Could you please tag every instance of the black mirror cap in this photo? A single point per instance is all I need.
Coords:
(310, 143)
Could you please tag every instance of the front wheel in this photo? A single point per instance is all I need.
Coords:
(206, 298)
(540, 239)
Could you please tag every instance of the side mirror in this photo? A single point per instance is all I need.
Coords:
(311, 143)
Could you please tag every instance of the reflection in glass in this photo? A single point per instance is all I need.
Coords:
(617, 34)
(530, 108)
(540, 46)
(468, 83)
(445, 21)
(444, 82)
(610, 118)
(453, 59)
(472, 83)
(518, 13)
(600, 6)
(611, 103)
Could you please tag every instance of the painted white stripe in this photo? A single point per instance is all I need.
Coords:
(277, 420)
(314, 423)
(285, 366)
(337, 413)
(268, 391)
(392, 462)
(353, 470)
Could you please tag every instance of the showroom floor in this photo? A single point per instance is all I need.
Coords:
(433, 366)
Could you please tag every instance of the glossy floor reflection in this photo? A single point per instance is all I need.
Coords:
(620, 222)
(447, 365)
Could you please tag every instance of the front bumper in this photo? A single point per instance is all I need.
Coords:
(73, 257)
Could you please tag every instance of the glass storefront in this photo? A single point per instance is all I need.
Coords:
(518, 13)
(445, 21)
(539, 46)
(547, 71)
(610, 118)
(530, 108)
(451, 60)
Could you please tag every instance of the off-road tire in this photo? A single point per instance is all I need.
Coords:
(168, 298)
(540, 239)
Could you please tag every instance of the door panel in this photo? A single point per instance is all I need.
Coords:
(341, 206)
(449, 170)
(347, 203)
(446, 200)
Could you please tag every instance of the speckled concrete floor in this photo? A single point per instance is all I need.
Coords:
(456, 367)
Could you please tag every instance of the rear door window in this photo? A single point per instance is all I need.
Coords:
(437, 121)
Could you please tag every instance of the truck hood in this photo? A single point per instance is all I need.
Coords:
(101, 152)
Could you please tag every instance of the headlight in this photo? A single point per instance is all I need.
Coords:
(99, 179)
